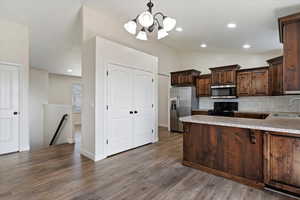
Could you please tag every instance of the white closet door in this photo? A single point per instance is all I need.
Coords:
(120, 101)
(9, 108)
(143, 107)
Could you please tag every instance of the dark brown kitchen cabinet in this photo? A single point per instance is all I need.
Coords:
(199, 112)
(227, 151)
(253, 82)
(184, 78)
(282, 161)
(276, 76)
(225, 75)
(289, 28)
(203, 85)
(260, 82)
(244, 83)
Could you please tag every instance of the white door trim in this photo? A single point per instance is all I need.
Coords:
(21, 108)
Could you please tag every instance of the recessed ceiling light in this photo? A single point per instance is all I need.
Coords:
(246, 46)
(179, 29)
(70, 70)
(231, 25)
(203, 45)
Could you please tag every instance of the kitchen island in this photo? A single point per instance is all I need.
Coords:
(257, 152)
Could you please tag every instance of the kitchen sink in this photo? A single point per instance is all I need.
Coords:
(286, 115)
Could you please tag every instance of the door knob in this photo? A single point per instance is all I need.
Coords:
(15, 113)
(135, 112)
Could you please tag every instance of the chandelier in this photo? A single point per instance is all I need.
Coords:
(149, 22)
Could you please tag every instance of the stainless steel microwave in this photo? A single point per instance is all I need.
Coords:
(223, 92)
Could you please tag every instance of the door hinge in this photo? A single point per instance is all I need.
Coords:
(152, 80)
(107, 107)
(152, 131)
(107, 73)
(106, 141)
(152, 105)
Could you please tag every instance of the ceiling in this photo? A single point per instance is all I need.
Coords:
(55, 28)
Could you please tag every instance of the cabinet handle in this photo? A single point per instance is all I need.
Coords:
(136, 112)
(252, 137)
(131, 112)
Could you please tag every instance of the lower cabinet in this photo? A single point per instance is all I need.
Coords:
(230, 152)
(252, 157)
(282, 162)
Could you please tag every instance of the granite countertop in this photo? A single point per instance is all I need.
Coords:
(285, 125)
(240, 111)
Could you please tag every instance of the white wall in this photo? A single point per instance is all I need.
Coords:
(102, 23)
(163, 100)
(14, 48)
(202, 61)
(38, 96)
(97, 54)
(47, 88)
(60, 88)
(53, 113)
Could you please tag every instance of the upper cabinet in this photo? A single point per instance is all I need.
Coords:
(225, 75)
(253, 82)
(276, 76)
(184, 78)
(289, 28)
(203, 84)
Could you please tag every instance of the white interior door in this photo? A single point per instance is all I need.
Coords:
(120, 101)
(143, 102)
(9, 109)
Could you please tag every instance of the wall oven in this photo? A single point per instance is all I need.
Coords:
(223, 92)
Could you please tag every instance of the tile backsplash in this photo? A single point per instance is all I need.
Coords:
(258, 104)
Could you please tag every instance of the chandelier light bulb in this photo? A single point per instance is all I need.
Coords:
(142, 35)
(150, 23)
(169, 23)
(162, 33)
(146, 19)
(130, 27)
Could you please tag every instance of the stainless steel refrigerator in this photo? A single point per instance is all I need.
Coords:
(182, 101)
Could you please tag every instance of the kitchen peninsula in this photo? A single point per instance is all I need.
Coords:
(257, 152)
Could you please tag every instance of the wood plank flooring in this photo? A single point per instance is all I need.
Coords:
(150, 172)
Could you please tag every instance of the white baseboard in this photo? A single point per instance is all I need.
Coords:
(91, 155)
(26, 148)
(71, 140)
(163, 125)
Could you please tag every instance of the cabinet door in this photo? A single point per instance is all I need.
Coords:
(216, 78)
(200, 84)
(229, 77)
(236, 151)
(243, 152)
(244, 84)
(203, 145)
(283, 156)
(203, 87)
(208, 86)
(291, 69)
(276, 79)
(259, 83)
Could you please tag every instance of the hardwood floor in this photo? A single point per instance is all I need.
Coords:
(150, 172)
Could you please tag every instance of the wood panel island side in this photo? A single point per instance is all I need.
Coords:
(256, 152)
